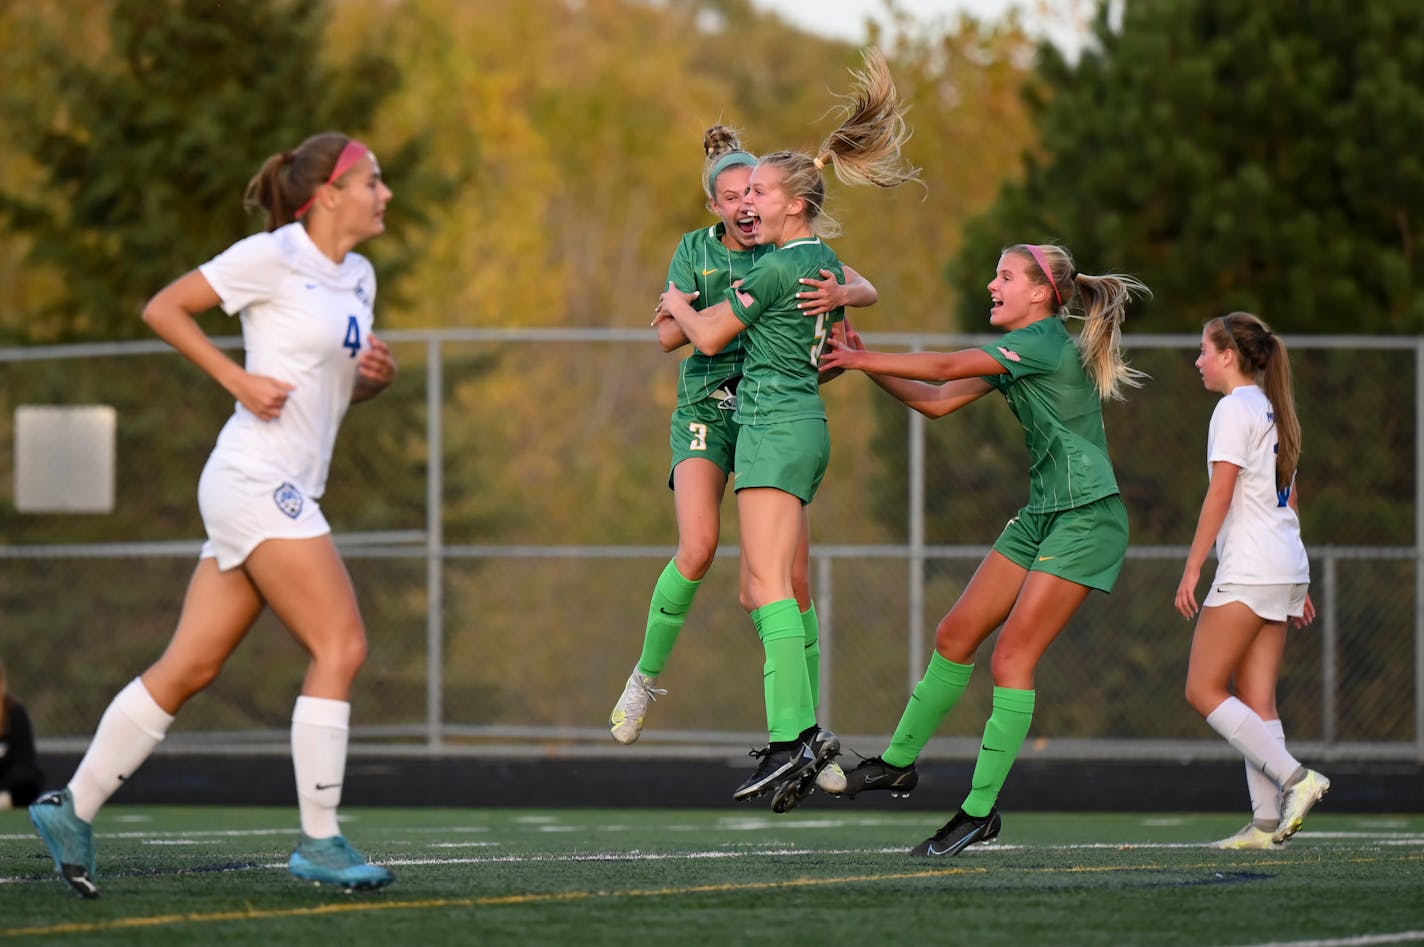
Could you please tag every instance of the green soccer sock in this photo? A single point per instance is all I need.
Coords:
(784, 674)
(1003, 738)
(934, 697)
(667, 612)
(812, 626)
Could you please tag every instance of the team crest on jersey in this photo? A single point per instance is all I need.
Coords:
(1009, 354)
(288, 499)
(360, 293)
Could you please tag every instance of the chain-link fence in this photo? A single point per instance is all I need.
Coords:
(504, 513)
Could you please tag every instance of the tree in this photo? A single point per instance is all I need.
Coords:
(1234, 156)
(145, 137)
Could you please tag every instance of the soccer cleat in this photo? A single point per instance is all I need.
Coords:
(959, 833)
(776, 767)
(626, 720)
(1297, 800)
(1249, 837)
(832, 779)
(332, 861)
(875, 773)
(825, 746)
(69, 839)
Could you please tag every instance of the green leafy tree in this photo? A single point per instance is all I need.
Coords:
(1234, 156)
(144, 138)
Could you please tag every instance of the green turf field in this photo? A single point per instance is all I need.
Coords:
(196, 875)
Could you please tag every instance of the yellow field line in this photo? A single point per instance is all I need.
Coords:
(250, 914)
(553, 897)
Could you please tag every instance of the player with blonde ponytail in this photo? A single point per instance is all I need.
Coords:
(783, 446)
(1071, 538)
(703, 433)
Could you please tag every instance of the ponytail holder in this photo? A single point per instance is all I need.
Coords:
(351, 153)
(820, 165)
(1073, 276)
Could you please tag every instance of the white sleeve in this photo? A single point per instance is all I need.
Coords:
(246, 272)
(1230, 433)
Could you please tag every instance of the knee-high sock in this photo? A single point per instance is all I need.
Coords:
(812, 625)
(1246, 731)
(934, 697)
(131, 727)
(1003, 738)
(667, 613)
(320, 729)
(1265, 794)
(784, 675)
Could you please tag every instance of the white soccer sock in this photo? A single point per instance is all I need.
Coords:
(131, 727)
(1265, 794)
(1246, 731)
(319, 733)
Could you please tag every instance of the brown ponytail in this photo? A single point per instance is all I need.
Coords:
(288, 179)
(1264, 355)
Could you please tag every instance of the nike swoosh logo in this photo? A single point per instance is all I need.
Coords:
(876, 778)
(991, 749)
(310, 285)
(670, 614)
(938, 851)
(321, 786)
(1046, 558)
(711, 271)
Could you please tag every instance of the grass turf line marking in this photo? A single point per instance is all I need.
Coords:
(570, 896)
(160, 920)
(1362, 940)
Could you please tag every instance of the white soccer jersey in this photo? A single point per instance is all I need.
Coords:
(1259, 542)
(305, 320)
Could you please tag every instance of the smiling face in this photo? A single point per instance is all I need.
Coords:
(776, 216)
(1015, 300)
(361, 196)
(727, 203)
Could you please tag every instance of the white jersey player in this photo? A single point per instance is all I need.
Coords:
(1261, 583)
(305, 300)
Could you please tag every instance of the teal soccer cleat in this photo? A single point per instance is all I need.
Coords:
(332, 861)
(69, 839)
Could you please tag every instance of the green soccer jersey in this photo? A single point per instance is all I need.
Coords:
(702, 263)
(780, 378)
(1055, 400)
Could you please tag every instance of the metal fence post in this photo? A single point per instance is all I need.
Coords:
(434, 546)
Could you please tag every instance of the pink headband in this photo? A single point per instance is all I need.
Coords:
(1042, 262)
(351, 153)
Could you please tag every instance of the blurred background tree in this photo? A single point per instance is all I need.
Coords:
(142, 135)
(1233, 156)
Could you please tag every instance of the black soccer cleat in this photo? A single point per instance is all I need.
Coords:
(959, 833)
(825, 747)
(875, 773)
(777, 765)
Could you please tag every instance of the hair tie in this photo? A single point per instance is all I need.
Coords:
(1073, 276)
(820, 165)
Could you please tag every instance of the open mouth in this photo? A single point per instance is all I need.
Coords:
(747, 223)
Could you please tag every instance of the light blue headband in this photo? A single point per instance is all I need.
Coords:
(729, 160)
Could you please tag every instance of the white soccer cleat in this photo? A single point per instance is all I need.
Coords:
(1297, 800)
(832, 779)
(1249, 837)
(626, 720)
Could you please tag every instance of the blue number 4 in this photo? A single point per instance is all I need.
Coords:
(353, 336)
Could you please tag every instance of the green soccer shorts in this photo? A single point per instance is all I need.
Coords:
(1085, 545)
